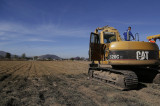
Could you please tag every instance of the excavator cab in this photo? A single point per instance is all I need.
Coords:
(99, 44)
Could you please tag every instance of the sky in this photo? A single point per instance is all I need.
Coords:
(63, 27)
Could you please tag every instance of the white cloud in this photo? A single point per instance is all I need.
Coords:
(39, 40)
(45, 30)
(11, 33)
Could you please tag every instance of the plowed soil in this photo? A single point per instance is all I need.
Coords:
(56, 83)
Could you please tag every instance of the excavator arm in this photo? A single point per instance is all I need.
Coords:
(153, 38)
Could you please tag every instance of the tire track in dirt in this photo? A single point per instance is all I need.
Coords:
(47, 89)
(65, 83)
(59, 67)
(19, 72)
(64, 93)
(9, 67)
(8, 77)
(46, 85)
(40, 69)
(92, 94)
(25, 87)
(44, 68)
(10, 72)
(148, 95)
(16, 86)
(7, 63)
(66, 97)
(32, 72)
(40, 83)
(111, 96)
(31, 87)
(22, 71)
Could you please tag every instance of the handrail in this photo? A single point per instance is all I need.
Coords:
(137, 35)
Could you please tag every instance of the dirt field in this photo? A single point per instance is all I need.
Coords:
(56, 83)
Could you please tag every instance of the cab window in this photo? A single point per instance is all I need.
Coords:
(108, 38)
(94, 38)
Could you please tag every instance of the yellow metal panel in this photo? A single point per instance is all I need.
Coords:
(134, 62)
(159, 54)
(154, 36)
(101, 38)
(129, 62)
(133, 45)
(101, 62)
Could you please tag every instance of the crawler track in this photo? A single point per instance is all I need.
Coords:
(121, 79)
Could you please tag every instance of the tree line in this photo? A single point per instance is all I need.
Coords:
(9, 56)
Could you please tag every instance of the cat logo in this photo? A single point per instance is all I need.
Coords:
(142, 55)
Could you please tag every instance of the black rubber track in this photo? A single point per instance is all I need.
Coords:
(130, 78)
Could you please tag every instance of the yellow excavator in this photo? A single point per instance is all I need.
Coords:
(121, 63)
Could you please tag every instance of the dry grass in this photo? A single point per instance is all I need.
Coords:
(64, 83)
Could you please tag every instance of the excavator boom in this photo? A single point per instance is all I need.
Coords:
(154, 37)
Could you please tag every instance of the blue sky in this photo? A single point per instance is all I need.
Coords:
(62, 27)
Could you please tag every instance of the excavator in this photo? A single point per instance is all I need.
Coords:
(121, 63)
